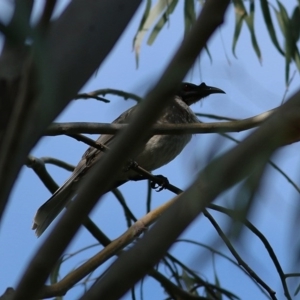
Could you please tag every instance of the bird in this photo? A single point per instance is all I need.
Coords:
(156, 152)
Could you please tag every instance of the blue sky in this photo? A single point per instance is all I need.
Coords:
(251, 88)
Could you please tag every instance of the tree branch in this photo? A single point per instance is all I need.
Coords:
(105, 128)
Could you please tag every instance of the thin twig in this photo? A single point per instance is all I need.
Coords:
(149, 196)
(172, 289)
(292, 275)
(214, 251)
(248, 224)
(216, 117)
(91, 96)
(237, 256)
(115, 92)
(57, 162)
(202, 282)
(128, 213)
(38, 166)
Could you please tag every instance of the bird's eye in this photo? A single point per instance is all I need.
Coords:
(186, 87)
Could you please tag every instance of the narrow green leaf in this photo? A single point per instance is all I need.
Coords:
(240, 14)
(189, 15)
(250, 22)
(163, 20)
(297, 58)
(237, 31)
(133, 297)
(285, 24)
(280, 20)
(284, 14)
(136, 44)
(150, 17)
(269, 23)
(295, 20)
(287, 54)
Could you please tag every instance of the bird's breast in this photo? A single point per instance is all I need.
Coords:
(161, 149)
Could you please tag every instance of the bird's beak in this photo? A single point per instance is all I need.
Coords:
(192, 93)
(208, 90)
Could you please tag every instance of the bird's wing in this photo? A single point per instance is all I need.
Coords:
(51, 208)
(92, 155)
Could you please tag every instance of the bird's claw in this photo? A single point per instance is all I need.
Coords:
(162, 184)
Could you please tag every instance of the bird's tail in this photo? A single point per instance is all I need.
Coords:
(51, 208)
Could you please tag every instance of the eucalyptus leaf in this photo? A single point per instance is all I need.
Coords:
(162, 21)
(295, 20)
(149, 17)
(250, 22)
(189, 15)
(269, 23)
(240, 14)
(137, 40)
(290, 47)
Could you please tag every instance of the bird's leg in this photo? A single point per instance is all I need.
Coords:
(158, 182)
(132, 164)
(161, 183)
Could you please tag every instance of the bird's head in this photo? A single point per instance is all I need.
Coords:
(191, 93)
